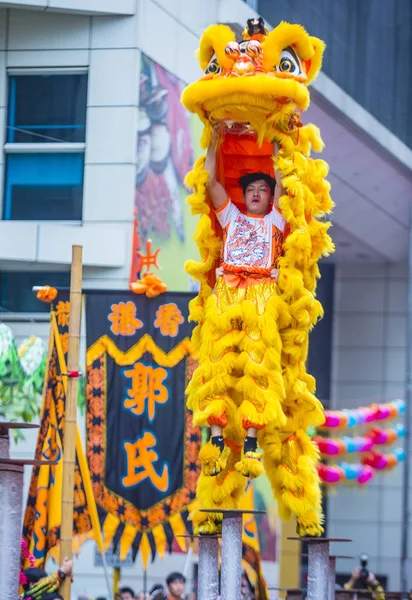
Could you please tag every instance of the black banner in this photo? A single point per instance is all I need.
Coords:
(141, 445)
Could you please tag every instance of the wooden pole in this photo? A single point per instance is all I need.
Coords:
(69, 446)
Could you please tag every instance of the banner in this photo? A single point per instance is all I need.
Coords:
(41, 528)
(141, 445)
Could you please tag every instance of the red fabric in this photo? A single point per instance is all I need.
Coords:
(73, 374)
(238, 155)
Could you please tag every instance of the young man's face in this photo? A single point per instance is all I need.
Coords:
(257, 197)
(127, 596)
(177, 588)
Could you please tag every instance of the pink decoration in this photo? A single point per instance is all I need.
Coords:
(366, 475)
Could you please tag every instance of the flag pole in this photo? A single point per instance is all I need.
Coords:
(69, 445)
(106, 574)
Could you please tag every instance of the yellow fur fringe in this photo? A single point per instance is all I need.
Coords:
(250, 465)
(289, 455)
(209, 459)
(214, 41)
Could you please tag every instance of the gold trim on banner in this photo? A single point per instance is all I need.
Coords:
(145, 344)
(126, 540)
(110, 525)
(145, 550)
(160, 539)
(178, 527)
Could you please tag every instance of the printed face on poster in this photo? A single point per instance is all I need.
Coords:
(167, 145)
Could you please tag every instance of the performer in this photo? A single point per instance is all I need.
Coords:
(38, 583)
(260, 235)
(252, 244)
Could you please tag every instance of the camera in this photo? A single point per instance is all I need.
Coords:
(364, 572)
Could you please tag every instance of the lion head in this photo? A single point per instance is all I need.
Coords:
(260, 82)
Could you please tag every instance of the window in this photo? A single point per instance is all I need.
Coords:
(47, 108)
(38, 183)
(16, 287)
(45, 146)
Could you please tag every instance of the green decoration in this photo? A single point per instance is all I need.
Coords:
(21, 377)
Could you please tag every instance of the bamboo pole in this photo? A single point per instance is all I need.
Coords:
(69, 446)
(116, 579)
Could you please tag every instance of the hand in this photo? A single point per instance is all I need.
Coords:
(356, 574)
(372, 579)
(67, 566)
(219, 272)
(274, 273)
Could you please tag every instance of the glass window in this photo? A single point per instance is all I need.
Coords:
(16, 287)
(44, 187)
(47, 108)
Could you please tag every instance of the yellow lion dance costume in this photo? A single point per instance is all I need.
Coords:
(251, 343)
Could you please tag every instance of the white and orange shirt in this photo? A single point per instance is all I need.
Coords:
(250, 242)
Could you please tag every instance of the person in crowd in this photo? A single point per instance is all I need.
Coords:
(368, 583)
(37, 583)
(157, 592)
(126, 593)
(175, 586)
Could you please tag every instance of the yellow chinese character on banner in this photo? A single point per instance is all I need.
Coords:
(168, 319)
(123, 318)
(140, 459)
(63, 313)
(147, 385)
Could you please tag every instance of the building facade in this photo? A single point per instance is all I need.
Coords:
(82, 85)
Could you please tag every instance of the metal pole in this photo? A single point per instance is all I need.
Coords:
(318, 572)
(144, 581)
(208, 585)
(231, 556)
(332, 577)
(11, 494)
(408, 423)
(106, 574)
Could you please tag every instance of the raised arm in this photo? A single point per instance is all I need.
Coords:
(216, 191)
(279, 189)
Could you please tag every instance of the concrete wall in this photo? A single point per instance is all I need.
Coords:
(368, 366)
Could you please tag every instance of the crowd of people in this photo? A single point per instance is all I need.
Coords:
(38, 585)
(174, 586)
(174, 589)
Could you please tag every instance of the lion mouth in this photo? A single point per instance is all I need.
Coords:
(235, 127)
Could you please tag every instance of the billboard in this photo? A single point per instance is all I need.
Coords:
(167, 145)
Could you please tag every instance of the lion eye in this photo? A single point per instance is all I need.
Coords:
(213, 68)
(289, 62)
